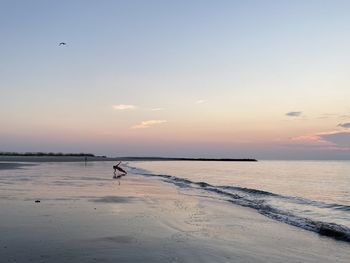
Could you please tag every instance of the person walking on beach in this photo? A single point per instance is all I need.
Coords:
(116, 167)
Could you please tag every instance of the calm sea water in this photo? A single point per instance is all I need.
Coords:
(314, 195)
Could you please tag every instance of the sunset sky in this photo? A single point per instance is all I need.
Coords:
(261, 79)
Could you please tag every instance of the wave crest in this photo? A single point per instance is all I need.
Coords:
(248, 197)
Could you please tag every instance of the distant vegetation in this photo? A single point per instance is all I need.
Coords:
(187, 159)
(46, 154)
(43, 154)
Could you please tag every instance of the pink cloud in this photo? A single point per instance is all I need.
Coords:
(337, 140)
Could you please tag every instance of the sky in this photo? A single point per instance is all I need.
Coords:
(236, 79)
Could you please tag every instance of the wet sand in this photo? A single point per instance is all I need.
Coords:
(86, 216)
(41, 159)
(8, 166)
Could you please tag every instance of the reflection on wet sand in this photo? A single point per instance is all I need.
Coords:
(84, 216)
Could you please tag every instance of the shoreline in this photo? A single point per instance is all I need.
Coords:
(41, 159)
(106, 159)
(86, 216)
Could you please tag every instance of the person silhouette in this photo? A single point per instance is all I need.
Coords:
(116, 167)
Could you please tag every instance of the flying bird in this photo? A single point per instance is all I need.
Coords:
(62, 44)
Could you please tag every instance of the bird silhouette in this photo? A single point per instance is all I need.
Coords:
(62, 44)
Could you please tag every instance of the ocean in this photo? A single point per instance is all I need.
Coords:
(313, 195)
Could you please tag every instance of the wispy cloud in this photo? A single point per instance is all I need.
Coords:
(334, 116)
(328, 115)
(311, 139)
(124, 107)
(147, 124)
(294, 113)
(336, 140)
(344, 125)
(200, 101)
(341, 140)
(133, 107)
(345, 116)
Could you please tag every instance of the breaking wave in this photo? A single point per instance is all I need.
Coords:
(265, 203)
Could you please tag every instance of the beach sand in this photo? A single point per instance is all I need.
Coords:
(83, 217)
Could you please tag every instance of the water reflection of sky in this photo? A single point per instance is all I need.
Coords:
(57, 181)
